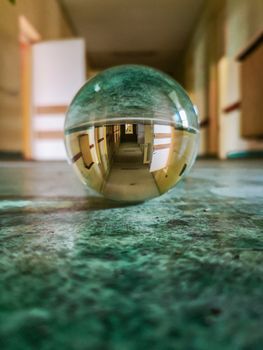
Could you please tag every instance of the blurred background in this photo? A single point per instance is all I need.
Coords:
(48, 49)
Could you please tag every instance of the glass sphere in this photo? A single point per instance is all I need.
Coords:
(131, 133)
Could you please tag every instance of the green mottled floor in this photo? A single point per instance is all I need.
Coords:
(183, 271)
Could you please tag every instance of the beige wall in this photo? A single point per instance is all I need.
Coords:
(204, 48)
(244, 20)
(47, 19)
(225, 28)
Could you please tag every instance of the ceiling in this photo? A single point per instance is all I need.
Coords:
(151, 32)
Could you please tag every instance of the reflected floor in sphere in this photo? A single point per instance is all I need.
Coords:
(131, 161)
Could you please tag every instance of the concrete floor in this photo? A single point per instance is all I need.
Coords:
(182, 271)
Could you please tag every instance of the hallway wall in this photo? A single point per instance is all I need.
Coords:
(225, 28)
(47, 19)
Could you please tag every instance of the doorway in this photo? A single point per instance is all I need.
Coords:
(128, 133)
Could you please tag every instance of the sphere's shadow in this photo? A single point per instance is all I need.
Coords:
(12, 205)
(100, 203)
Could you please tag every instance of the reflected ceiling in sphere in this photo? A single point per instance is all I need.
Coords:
(131, 133)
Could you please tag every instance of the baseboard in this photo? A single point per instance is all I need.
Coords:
(245, 154)
(5, 155)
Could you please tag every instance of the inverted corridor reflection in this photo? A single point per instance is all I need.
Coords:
(131, 162)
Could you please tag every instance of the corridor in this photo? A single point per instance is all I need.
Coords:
(133, 245)
(129, 178)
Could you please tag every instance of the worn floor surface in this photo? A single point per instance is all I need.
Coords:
(183, 271)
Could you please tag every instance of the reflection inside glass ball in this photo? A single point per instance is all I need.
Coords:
(131, 133)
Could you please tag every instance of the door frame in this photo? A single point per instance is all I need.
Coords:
(28, 36)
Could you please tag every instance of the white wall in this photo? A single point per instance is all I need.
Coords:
(59, 71)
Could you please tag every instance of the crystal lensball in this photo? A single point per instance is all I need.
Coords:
(131, 133)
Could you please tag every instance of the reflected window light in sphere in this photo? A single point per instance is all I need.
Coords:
(131, 133)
